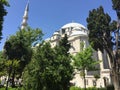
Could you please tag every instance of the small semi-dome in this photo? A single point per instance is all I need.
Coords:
(56, 33)
(73, 24)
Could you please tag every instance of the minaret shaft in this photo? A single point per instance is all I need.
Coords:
(25, 17)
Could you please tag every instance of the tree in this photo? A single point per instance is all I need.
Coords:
(3, 13)
(64, 59)
(2, 64)
(116, 7)
(50, 68)
(5, 67)
(100, 29)
(11, 67)
(19, 47)
(40, 71)
(84, 61)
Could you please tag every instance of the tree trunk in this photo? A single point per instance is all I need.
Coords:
(114, 65)
(13, 76)
(116, 68)
(116, 81)
(9, 73)
(84, 79)
(65, 87)
(114, 75)
(6, 88)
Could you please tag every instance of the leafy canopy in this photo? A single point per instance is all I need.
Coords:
(3, 13)
(19, 46)
(116, 6)
(100, 28)
(50, 68)
(84, 60)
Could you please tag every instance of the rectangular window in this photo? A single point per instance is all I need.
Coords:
(94, 83)
(63, 31)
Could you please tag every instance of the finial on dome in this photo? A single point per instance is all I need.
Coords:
(25, 16)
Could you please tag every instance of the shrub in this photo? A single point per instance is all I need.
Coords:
(90, 88)
(101, 88)
(75, 88)
(110, 87)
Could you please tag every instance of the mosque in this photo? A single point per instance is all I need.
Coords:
(77, 33)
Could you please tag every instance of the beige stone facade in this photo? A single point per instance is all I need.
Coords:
(78, 33)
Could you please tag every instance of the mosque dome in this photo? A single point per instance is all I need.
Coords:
(74, 29)
(74, 25)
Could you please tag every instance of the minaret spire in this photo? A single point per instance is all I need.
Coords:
(25, 16)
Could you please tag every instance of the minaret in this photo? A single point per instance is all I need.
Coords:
(25, 17)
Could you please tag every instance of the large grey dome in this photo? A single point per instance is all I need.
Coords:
(73, 25)
(74, 29)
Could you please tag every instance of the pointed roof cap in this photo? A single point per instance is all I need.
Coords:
(27, 6)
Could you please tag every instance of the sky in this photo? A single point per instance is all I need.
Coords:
(50, 15)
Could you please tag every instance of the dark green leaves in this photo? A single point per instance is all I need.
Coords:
(116, 4)
(3, 13)
(19, 47)
(99, 27)
(84, 60)
(116, 7)
(50, 68)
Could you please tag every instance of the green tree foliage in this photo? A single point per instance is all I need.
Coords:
(11, 68)
(19, 47)
(40, 71)
(32, 36)
(5, 2)
(96, 76)
(49, 69)
(3, 13)
(84, 61)
(64, 58)
(2, 64)
(7, 67)
(100, 29)
(116, 6)
(64, 45)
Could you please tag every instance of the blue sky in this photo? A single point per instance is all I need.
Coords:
(50, 15)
